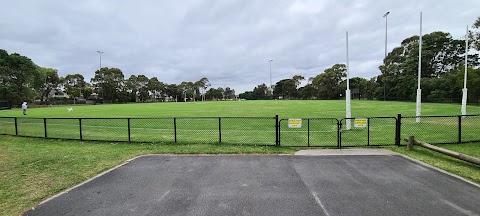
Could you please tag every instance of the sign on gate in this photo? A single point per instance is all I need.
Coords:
(294, 123)
(360, 123)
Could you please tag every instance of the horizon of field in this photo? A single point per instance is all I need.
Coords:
(265, 108)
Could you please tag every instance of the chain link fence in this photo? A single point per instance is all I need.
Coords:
(313, 132)
(7, 125)
(308, 132)
(228, 130)
(442, 129)
(470, 128)
(368, 131)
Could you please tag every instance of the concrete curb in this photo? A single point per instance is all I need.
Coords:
(440, 170)
(86, 181)
(340, 152)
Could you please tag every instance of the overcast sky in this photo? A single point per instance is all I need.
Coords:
(228, 41)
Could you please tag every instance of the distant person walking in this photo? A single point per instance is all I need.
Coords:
(24, 107)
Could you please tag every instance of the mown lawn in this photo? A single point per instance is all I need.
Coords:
(270, 108)
(461, 168)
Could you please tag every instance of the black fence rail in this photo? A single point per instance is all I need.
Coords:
(235, 130)
(442, 129)
(298, 132)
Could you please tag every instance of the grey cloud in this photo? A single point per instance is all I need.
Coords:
(229, 42)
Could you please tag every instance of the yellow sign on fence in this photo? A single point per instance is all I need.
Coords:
(294, 123)
(361, 123)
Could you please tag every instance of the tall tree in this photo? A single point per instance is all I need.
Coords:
(17, 78)
(229, 93)
(131, 87)
(260, 92)
(203, 84)
(155, 87)
(143, 90)
(111, 80)
(74, 85)
(174, 91)
(475, 35)
(327, 83)
(214, 93)
(87, 90)
(52, 82)
(441, 54)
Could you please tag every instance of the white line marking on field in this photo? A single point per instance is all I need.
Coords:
(320, 203)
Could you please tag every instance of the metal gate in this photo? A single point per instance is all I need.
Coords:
(330, 132)
(368, 131)
(312, 132)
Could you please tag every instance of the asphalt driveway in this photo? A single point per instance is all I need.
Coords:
(269, 185)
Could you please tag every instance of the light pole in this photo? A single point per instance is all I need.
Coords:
(100, 70)
(347, 94)
(419, 90)
(464, 91)
(385, 59)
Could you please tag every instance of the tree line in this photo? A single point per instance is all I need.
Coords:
(442, 72)
(22, 80)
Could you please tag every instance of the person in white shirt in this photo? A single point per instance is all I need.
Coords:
(24, 107)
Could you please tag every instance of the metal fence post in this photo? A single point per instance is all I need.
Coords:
(175, 128)
(80, 124)
(277, 132)
(129, 134)
(368, 131)
(16, 127)
(339, 133)
(308, 133)
(219, 130)
(460, 129)
(45, 126)
(398, 129)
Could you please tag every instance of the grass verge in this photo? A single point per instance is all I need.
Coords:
(33, 169)
(458, 167)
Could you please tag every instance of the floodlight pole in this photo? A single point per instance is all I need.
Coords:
(347, 94)
(464, 96)
(419, 90)
(384, 84)
(271, 86)
(100, 53)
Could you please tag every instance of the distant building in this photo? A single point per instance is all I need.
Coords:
(57, 94)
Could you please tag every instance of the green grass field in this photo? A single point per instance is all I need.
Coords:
(257, 131)
(283, 108)
(33, 169)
